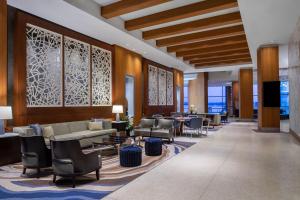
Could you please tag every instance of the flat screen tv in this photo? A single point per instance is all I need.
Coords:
(271, 94)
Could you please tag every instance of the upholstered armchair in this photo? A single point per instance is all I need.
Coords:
(69, 161)
(35, 154)
(164, 129)
(145, 127)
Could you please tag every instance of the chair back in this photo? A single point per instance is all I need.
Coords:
(35, 144)
(70, 149)
(147, 123)
(165, 123)
(196, 123)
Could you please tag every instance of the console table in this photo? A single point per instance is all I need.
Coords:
(10, 148)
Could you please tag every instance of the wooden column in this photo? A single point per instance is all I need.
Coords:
(235, 98)
(267, 70)
(128, 63)
(179, 82)
(246, 93)
(206, 92)
(3, 53)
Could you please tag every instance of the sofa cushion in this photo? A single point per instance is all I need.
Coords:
(37, 129)
(61, 128)
(78, 126)
(95, 126)
(107, 124)
(48, 132)
(70, 136)
(88, 133)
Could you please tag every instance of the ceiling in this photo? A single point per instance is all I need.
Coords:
(202, 33)
(191, 35)
(268, 22)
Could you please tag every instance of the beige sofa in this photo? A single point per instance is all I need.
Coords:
(77, 130)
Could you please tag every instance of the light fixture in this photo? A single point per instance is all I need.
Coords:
(117, 109)
(5, 113)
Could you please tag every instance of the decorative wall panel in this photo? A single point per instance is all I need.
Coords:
(77, 72)
(170, 88)
(101, 77)
(43, 67)
(153, 85)
(162, 87)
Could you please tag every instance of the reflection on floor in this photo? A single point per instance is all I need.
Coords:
(232, 163)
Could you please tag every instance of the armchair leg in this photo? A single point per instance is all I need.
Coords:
(24, 170)
(38, 172)
(54, 178)
(97, 174)
(73, 181)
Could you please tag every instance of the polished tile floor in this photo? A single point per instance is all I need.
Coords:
(234, 163)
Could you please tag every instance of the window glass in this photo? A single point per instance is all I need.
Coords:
(217, 99)
(186, 98)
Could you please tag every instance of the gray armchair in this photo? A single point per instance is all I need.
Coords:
(144, 128)
(69, 161)
(35, 154)
(164, 129)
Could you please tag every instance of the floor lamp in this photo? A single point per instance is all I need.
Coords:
(5, 113)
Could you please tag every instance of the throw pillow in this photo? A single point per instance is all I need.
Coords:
(48, 132)
(37, 129)
(97, 119)
(93, 126)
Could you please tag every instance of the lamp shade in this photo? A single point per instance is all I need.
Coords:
(5, 112)
(117, 109)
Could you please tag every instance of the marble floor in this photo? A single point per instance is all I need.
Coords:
(234, 163)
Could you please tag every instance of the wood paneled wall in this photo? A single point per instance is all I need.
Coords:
(3, 53)
(246, 93)
(24, 115)
(235, 98)
(179, 82)
(150, 110)
(128, 63)
(197, 93)
(267, 70)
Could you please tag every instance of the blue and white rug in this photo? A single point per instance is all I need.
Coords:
(14, 185)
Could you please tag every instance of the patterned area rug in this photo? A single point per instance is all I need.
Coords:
(13, 185)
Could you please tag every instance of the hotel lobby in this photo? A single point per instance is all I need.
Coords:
(150, 99)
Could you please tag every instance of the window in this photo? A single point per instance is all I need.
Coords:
(284, 98)
(186, 97)
(217, 99)
(255, 97)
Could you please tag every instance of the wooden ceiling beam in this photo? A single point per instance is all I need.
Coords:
(187, 11)
(210, 43)
(202, 36)
(222, 63)
(229, 58)
(214, 54)
(212, 22)
(127, 6)
(212, 50)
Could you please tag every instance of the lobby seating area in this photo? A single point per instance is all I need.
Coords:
(149, 99)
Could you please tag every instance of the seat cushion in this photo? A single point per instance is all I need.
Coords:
(163, 133)
(142, 132)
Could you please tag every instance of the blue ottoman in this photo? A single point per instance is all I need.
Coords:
(153, 146)
(130, 156)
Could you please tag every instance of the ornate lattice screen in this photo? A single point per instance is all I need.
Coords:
(152, 85)
(77, 72)
(43, 67)
(170, 89)
(101, 77)
(162, 87)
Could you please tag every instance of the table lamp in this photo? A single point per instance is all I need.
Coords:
(117, 109)
(5, 113)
